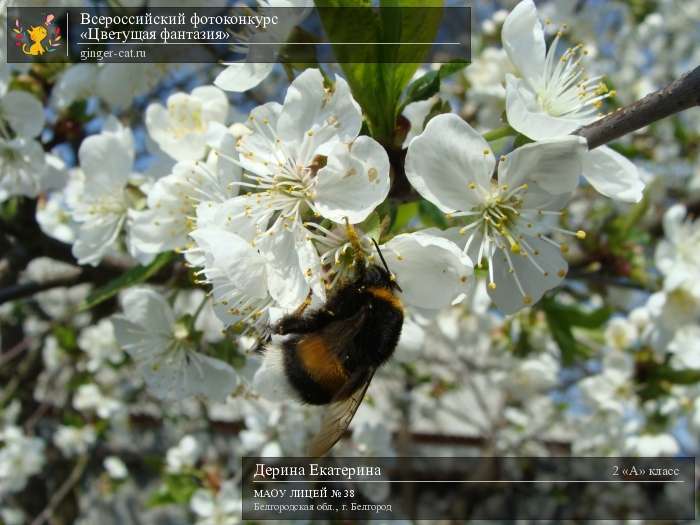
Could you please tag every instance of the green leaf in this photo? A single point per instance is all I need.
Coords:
(131, 277)
(404, 215)
(378, 74)
(430, 215)
(227, 350)
(66, 337)
(426, 86)
(423, 87)
(688, 376)
(9, 209)
(177, 489)
(576, 316)
(372, 226)
(562, 318)
(624, 224)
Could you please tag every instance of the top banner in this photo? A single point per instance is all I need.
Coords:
(290, 35)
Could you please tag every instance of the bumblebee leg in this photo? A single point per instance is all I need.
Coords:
(301, 325)
(295, 322)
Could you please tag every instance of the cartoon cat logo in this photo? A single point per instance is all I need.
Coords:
(31, 41)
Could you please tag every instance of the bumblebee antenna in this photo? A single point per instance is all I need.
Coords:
(381, 256)
(386, 266)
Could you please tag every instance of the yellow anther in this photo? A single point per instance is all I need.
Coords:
(581, 234)
(492, 286)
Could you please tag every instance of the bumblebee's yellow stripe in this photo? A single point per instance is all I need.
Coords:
(386, 295)
(321, 363)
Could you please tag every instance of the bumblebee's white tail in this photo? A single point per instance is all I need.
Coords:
(270, 381)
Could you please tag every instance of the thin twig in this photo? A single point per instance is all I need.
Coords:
(19, 291)
(13, 352)
(62, 491)
(678, 96)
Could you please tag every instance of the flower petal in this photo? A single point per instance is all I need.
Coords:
(526, 115)
(432, 271)
(285, 278)
(443, 160)
(354, 181)
(259, 150)
(214, 103)
(139, 342)
(241, 215)
(613, 175)
(232, 258)
(95, 238)
(148, 308)
(554, 164)
(242, 76)
(310, 263)
(314, 117)
(508, 296)
(416, 113)
(523, 39)
(106, 161)
(209, 377)
(24, 112)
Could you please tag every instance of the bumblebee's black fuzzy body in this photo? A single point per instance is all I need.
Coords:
(333, 351)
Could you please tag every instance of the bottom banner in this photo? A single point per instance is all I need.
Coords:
(508, 488)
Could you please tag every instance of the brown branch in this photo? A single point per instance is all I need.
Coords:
(678, 96)
(27, 289)
(62, 491)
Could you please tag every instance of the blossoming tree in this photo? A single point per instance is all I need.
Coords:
(156, 221)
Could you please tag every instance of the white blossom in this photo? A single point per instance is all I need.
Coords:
(22, 113)
(74, 441)
(99, 343)
(678, 254)
(185, 125)
(89, 397)
(115, 467)
(685, 347)
(301, 159)
(20, 159)
(553, 97)
(162, 349)
(222, 508)
(652, 445)
(76, 82)
(173, 199)
(21, 457)
(101, 206)
(451, 165)
(239, 275)
(258, 44)
(184, 455)
(620, 333)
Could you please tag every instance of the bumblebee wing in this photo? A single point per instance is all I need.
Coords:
(339, 413)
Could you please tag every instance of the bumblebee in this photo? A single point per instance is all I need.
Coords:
(331, 354)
